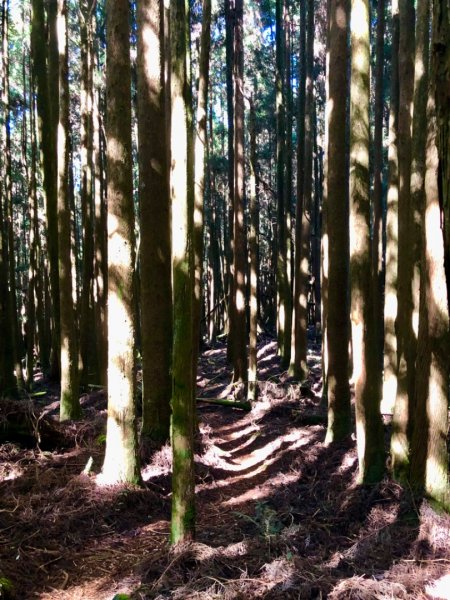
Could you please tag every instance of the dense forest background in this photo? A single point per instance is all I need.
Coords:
(212, 209)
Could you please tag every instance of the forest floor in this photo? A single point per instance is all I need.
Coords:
(279, 514)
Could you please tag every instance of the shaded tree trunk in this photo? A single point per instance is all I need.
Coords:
(336, 235)
(69, 402)
(156, 288)
(406, 336)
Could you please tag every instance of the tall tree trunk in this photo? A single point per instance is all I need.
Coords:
(253, 246)
(406, 336)
(298, 367)
(154, 201)
(87, 337)
(283, 287)
(377, 200)
(121, 462)
(239, 335)
(369, 429)
(47, 143)
(391, 260)
(228, 226)
(199, 184)
(336, 235)
(16, 345)
(183, 501)
(429, 458)
(69, 402)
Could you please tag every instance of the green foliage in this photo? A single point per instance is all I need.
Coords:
(101, 439)
(6, 588)
(265, 519)
(121, 597)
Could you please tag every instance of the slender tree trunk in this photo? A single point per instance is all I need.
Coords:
(239, 336)
(87, 337)
(229, 278)
(429, 457)
(377, 202)
(199, 189)
(253, 246)
(8, 203)
(69, 402)
(156, 288)
(369, 430)
(121, 462)
(406, 336)
(47, 143)
(336, 235)
(391, 272)
(299, 368)
(183, 501)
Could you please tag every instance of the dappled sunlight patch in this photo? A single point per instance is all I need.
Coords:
(159, 465)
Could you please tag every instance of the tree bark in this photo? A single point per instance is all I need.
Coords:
(121, 462)
(366, 366)
(154, 201)
(183, 500)
(336, 236)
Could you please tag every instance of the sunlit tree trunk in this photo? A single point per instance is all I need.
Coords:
(182, 426)
(283, 288)
(121, 462)
(336, 235)
(429, 458)
(391, 260)
(377, 198)
(239, 336)
(253, 247)
(87, 333)
(69, 401)
(298, 341)
(406, 335)
(199, 181)
(156, 289)
(369, 430)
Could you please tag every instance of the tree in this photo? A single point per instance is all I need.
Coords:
(391, 254)
(69, 403)
(239, 335)
(155, 260)
(406, 336)
(253, 248)
(429, 459)
(369, 430)
(336, 241)
(182, 426)
(121, 462)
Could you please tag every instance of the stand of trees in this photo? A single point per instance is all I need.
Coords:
(309, 196)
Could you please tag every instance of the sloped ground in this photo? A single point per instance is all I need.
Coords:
(280, 515)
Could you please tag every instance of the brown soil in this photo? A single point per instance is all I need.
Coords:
(279, 514)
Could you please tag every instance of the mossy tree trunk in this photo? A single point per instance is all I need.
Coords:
(69, 401)
(121, 462)
(253, 248)
(182, 426)
(154, 201)
(366, 366)
(336, 235)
